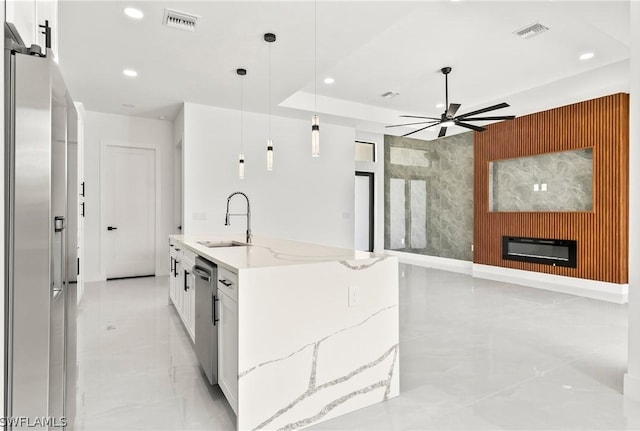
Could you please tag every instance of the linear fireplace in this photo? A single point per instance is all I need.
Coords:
(556, 252)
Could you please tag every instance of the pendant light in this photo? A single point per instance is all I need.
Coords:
(270, 38)
(241, 72)
(315, 121)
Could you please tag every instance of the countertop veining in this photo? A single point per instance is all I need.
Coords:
(268, 252)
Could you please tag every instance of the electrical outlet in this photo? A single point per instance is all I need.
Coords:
(354, 296)
(536, 187)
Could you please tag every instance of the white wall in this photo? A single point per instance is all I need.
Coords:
(632, 378)
(378, 170)
(303, 198)
(81, 277)
(178, 129)
(100, 129)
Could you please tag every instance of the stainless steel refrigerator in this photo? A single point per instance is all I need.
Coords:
(40, 124)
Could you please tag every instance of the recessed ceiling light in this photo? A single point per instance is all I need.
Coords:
(128, 105)
(162, 117)
(130, 73)
(440, 105)
(329, 80)
(134, 13)
(587, 56)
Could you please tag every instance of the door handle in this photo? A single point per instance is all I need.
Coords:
(112, 228)
(214, 317)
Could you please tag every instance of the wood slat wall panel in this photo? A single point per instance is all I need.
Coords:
(602, 234)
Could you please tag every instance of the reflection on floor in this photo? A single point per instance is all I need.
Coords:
(474, 354)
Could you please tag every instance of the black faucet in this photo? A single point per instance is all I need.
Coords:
(227, 221)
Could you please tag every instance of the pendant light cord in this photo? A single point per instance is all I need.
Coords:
(315, 55)
(269, 90)
(241, 114)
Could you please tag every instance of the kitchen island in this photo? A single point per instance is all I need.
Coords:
(316, 328)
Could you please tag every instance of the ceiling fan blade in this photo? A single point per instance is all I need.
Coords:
(412, 124)
(471, 126)
(415, 116)
(420, 130)
(443, 131)
(503, 117)
(480, 111)
(453, 108)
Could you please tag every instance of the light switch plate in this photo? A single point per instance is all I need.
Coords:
(536, 187)
(543, 187)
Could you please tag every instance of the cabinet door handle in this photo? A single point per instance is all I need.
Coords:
(175, 267)
(214, 315)
(226, 282)
(82, 206)
(171, 270)
(112, 228)
(202, 274)
(186, 280)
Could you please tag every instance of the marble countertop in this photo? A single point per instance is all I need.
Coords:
(267, 252)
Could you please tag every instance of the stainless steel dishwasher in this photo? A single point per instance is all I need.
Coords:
(206, 328)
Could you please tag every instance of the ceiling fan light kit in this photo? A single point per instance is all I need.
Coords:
(448, 118)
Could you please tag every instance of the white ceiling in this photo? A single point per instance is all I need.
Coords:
(368, 47)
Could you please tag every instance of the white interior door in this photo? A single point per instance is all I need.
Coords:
(362, 212)
(130, 212)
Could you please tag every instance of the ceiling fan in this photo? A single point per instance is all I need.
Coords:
(449, 118)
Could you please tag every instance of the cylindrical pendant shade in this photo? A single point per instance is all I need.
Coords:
(315, 136)
(269, 154)
(241, 166)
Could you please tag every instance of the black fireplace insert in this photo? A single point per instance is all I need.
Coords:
(555, 252)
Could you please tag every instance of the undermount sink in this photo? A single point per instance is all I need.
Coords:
(212, 244)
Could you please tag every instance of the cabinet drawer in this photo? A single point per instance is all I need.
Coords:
(228, 283)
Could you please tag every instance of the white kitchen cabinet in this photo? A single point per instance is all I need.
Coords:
(177, 276)
(27, 15)
(192, 302)
(188, 310)
(228, 348)
(172, 278)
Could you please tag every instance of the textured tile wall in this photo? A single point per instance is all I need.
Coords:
(519, 184)
(433, 213)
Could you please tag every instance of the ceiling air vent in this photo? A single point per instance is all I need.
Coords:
(390, 94)
(531, 30)
(180, 20)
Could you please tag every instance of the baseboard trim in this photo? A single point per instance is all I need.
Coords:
(632, 387)
(444, 263)
(601, 290)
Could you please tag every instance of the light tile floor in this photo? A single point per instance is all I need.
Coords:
(475, 355)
